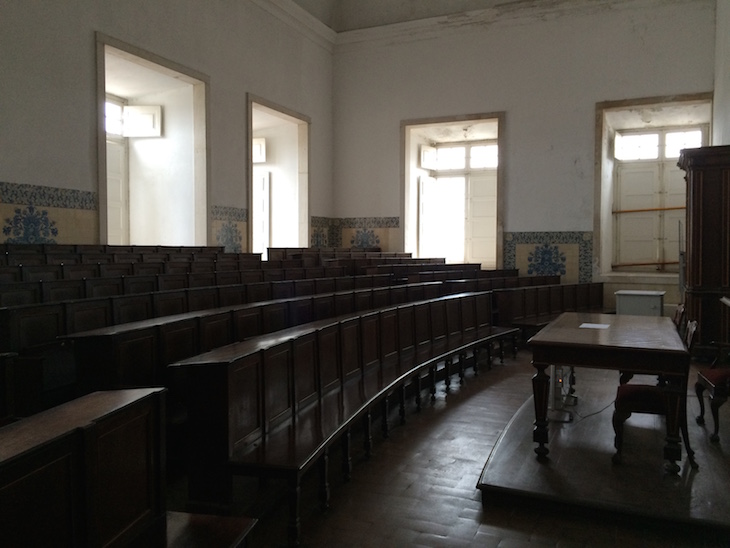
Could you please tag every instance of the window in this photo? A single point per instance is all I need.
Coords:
(114, 118)
(462, 188)
(649, 198)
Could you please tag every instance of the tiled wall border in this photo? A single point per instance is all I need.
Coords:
(46, 196)
(583, 239)
(228, 213)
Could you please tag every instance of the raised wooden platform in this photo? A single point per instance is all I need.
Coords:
(580, 474)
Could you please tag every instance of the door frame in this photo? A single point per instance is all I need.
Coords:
(304, 124)
(410, 177)
(201, 133)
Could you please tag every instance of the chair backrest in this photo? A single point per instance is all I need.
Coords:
(679, 316)
(689, 334)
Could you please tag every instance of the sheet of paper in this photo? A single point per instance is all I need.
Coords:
(594, 326)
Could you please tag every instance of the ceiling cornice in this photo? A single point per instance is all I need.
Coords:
(298, 18)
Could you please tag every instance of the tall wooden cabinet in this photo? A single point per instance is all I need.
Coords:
(707, 275)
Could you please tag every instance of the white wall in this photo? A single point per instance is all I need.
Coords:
(721, 112)
(161, 183)
(545, 70)
(48, 68)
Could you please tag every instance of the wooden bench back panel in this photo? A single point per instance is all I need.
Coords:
(275, 316)
(304, 369)
(229, 295)
(282, 290)
(177, 341)
(324, 285)
(344, 303)
(389, 343)
(20, 293)
(529, 297)
(201, 279)
(349, 342)
(454, 330)
(556, 299)
(301, 311)
(103, 287)
(135, 285)
(88, 314)
(304, 287)
(167, 303)
(422, 330)
(363, 300)
(132, 308)
(370, 359)
(351, 364)
(278, 386)
(260, 291)
(167, 282)
(570, 298)
(242, 404)
(330, 375)
(406, 335)
(439, 327)
(468, 318)
(216, 330)
(202, 298)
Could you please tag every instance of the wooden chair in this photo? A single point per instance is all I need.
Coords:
(649, 399)
(716, 380)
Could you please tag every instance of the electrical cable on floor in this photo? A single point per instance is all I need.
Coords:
(581, 417)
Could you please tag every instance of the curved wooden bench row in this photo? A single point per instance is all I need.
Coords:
(137, 353)
(25, 326)
(124, 254)
(533, 307)
(275, 404)
(128, 278)
(107, 248)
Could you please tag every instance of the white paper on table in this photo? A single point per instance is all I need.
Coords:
(594, 326)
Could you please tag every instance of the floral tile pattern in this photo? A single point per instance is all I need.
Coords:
(30, 226)
(365, 237)
(546, 260)
(355, 231)
(229, 236)
(229, 226)
(318, 237)
(546, 250)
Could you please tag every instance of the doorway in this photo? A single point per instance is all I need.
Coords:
(153, 167)
(452, 192)
(279, 190)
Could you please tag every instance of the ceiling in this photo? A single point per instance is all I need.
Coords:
(346, 15)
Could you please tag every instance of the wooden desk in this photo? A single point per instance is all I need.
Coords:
(636, 344)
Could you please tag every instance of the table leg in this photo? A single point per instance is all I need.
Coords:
(540, 391)
(672, 448)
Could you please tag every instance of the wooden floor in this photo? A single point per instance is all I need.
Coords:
(420, 486)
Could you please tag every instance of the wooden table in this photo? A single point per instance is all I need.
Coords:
(635, 344)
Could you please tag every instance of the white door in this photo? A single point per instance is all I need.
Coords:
(441, 218)
(261, 217)
(481, 220)
(117, 185)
